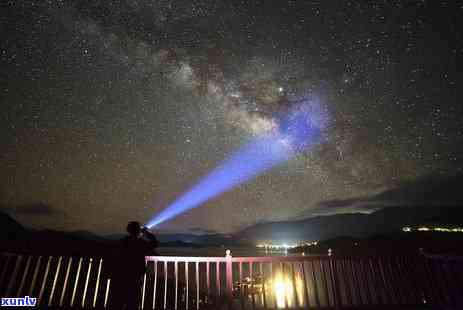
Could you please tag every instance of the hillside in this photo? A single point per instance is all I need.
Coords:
(14, 237)
(386, 220)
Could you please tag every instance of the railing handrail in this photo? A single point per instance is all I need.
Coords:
(257, 259)
(224, 259)
(186, 258)
(246, 258)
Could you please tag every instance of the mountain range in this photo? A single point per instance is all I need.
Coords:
(386, 220)
(15, 237)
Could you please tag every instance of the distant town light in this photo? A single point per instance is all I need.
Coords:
(285, 246)
(434, 229)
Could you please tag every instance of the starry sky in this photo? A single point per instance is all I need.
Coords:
(111, 109)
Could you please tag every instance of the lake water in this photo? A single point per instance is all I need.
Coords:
(218, 251)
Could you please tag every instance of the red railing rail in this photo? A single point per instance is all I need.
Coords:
(173, 282)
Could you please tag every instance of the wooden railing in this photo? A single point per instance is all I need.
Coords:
(172, 282)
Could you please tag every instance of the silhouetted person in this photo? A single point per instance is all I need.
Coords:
(128, 266)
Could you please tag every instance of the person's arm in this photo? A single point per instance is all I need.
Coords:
(153, 241)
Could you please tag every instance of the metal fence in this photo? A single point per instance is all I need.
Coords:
(172, 282)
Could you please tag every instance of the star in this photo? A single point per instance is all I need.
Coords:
(116, 110)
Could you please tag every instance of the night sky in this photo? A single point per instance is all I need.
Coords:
(111, 109)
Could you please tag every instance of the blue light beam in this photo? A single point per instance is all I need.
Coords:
(295, 132)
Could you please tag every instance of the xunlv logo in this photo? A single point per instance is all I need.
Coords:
(19, 301)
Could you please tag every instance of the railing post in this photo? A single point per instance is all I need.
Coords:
(13, 277)
(229, 277)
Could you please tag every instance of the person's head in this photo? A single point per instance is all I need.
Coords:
(133, 228)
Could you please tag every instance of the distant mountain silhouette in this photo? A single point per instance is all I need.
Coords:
(386, 220)
(168, 239)
(9, 227)
(83, 234)
(397, 242)
(14, 237)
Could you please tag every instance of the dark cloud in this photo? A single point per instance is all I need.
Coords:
(430, 190)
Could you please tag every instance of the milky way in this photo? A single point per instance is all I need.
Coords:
(110, 111)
